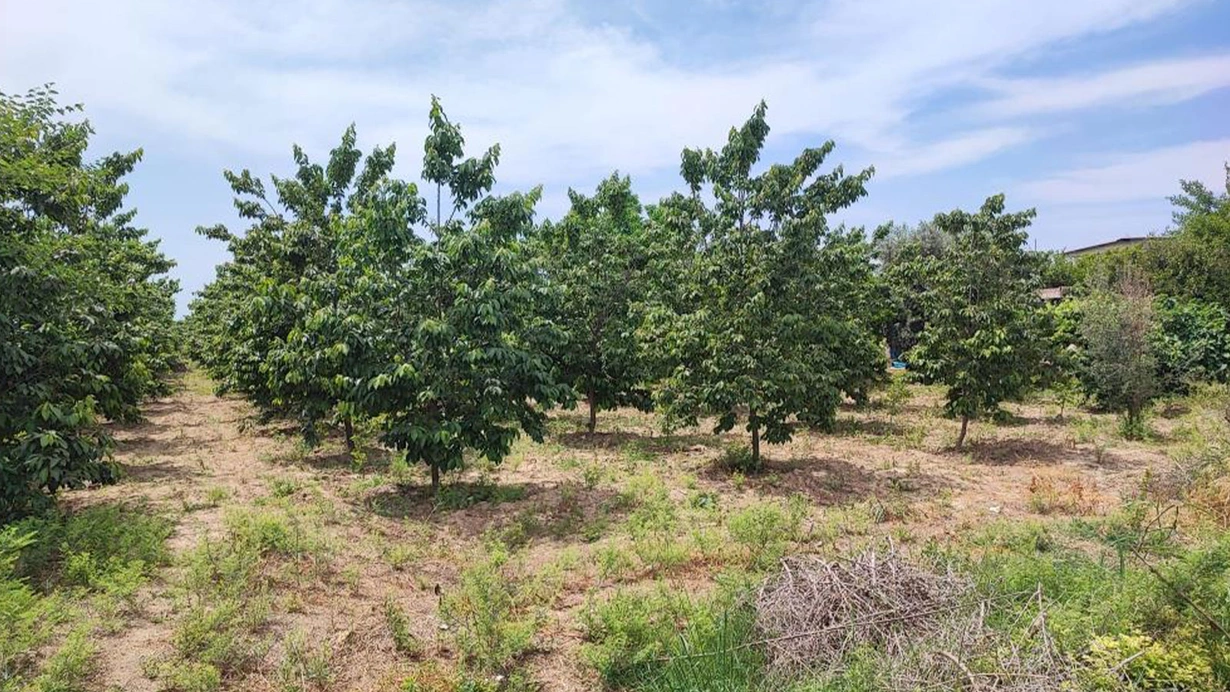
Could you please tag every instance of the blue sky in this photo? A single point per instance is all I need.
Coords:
(1088, 110)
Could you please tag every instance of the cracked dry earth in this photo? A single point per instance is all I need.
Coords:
(199, 456)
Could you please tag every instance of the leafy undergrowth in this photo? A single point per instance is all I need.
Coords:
(66, 578)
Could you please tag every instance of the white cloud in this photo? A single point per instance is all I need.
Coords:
(1148, 175)
(564, 98)
(962, 149)
(1154, 83)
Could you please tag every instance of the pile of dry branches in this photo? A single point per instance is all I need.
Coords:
(925, 628)
(815, 612)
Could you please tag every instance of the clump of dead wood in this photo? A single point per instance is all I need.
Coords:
(925, 628)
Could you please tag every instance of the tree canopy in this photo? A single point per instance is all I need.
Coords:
(770, 322)
(277, 325)
(984, 337)
(86, 311)
(596, 261)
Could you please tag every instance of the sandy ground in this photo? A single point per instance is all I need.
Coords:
(195, 446)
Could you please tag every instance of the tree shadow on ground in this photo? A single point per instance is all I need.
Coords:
(649, 443)
(829, 481)
(157, 441)
(157, 471)
(854, 427)
(519, 512)
(375, 459)
(1015, 451)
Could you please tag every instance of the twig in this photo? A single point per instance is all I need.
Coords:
(957, 662)
(1179, 592)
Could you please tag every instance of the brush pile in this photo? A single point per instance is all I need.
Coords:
(925, 629)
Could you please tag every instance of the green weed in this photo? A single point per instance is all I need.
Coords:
(404, 640)
(305, 667)
(492, 621)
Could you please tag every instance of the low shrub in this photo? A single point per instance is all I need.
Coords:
(404, 640)
(101, 556)
(629, 631)
(492, 620)
(739, 458)
(1139, 662)
(766, 530)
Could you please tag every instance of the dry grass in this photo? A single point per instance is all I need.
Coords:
(585, 514)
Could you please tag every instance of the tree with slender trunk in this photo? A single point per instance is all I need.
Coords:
(772, 320)
(464, 347)
(983, 337)
(280, 323)
(595, 262)
(1117, 326)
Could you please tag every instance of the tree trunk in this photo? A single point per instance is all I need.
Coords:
(754, 424)
(435, 480)
(964, 428)
(348, 427)
(591, 398)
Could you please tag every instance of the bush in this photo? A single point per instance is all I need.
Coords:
(660, 639)
(1139, 662)
(766, 530)
(70, 667)
(490, 616)
(630, 630)
(305, 667)
(108, 551)
(1192, 342)
(404, 640)
(1117, 324)
(25, 618)
(94, 547)
(739, 458)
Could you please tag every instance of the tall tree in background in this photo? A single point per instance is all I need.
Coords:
(86, 311)
(595, 260)
(1194, 259)
(464, 344)
(1117, 325)
(984, 337)
(276, 325)
(770, 318)
(898, 249)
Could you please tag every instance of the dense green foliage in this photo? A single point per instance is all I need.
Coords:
(1117, 323)
(278, 325)
(983, 337)
(338, 309)
(1191, 343)
(1193, 259)
(467, 365)
(86, 313)
(898, 251)
(1188, 323)
(596, 260)
(774, 319)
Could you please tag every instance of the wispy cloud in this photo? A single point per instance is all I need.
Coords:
(566, 98)
(1146, 175)
(962, 149)
(1161, 82)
